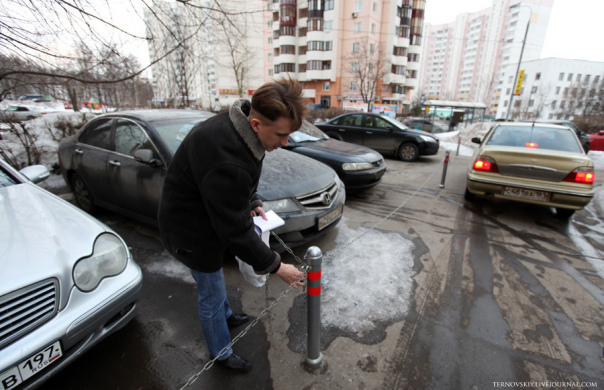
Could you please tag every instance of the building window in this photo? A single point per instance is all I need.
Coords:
(399, 51)
(356, 47)
(328, 4)
(534, 90)
(371, 48)
(319, 46)
(270, 72)
(354, 86)
(325, 85)
(270, 40)
(373, 28)
(570, 77)
(355, 67)
(579, 77)
(531, 103)
(328, 25)
(287, 67)
(301, 50)
(403, 31)
(505, 103)
(315, 24)
(301, 68)
(375, 7)
(561, 77)
(398, 69)
(557, 90)
(287, 30)
(358, 6)
(357, 27)
(586, 79)
(288, 49)
(270, 57)
(537, 76)
(554, 102)
(413, 74)
(562, 104)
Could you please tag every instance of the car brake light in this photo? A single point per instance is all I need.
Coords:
(584, 175)
(532, 145)
(486, 164)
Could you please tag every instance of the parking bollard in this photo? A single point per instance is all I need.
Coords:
(442, 181)
(313, 258)
(458, 144)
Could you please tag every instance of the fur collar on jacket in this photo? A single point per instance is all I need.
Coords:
(239, 113)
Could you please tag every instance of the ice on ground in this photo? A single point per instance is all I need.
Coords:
(368, 281)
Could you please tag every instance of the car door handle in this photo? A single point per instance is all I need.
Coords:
(341, 129)
(369, 132)
(115, 163)
(78, 151)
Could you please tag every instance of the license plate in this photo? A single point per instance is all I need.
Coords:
(31, 366)
(325, 220)
(523, 193)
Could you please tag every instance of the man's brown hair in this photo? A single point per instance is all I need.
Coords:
(282, 98)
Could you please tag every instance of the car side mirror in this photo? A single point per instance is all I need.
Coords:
(476, 140)
(146, 156)
(35, 173)
(601, 132)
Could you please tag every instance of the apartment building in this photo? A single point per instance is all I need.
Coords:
(346, 53)
(215, 56)
(470, 58)
(553, 88)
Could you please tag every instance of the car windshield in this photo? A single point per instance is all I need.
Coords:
(173, 131)
(6, 180)
(535, 137)
(308, 133)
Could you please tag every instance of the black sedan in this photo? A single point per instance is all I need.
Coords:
(382, 134)
(358, 167)
(119, 161)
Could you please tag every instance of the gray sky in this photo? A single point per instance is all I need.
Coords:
(575, 30)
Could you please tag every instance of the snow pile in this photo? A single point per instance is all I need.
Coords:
(368, 281)
(450, 139)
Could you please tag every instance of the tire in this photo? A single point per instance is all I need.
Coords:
(82, 194)
(408, 152)
(469, 196)
(333, 135)
(564, 213)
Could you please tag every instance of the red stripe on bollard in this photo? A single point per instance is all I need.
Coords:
(314, 276)
(314, 291)
(447, 159)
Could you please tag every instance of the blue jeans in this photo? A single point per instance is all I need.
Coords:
(214, 310)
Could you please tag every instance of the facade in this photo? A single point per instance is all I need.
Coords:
(346, 53)
(215, 60)
(469, 60)
(553, 88)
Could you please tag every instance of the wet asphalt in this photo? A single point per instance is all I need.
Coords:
(500, 294)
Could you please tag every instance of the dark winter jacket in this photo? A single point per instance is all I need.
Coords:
(209, 192)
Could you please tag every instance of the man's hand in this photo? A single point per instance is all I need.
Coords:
(289, 273)
(259, 211)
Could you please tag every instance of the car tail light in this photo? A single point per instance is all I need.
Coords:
(584, 175)
(532, 145)
(486, 164)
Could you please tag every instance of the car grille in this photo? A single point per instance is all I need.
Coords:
(26, 309)
(321, 199)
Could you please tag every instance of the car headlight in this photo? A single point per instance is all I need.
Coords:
(280, 206)
(109, 258)
(356, 166)
(428, 139)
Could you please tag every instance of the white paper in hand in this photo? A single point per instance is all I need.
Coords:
(263, 228)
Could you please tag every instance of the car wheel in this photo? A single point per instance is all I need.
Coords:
(81, 193)
(468, 195)
(564, 213)
(408, 152)
(333, 135)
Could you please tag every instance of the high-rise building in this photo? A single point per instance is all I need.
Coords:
(471, 58)
(346, 53)
(214, 57)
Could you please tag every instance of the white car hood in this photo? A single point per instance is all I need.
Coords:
(41, 236)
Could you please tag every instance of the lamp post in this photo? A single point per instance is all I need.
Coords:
(528, 23)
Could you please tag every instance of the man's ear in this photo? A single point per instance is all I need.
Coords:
(255, 122)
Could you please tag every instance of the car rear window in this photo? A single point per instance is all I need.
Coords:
(535, 137)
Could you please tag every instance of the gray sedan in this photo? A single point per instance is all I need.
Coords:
(67, 280)
(119, 161)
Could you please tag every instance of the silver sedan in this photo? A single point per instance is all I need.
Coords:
(66, 282)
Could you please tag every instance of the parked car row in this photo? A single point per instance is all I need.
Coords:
(20, 113)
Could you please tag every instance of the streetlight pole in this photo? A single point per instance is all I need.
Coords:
(510, 107)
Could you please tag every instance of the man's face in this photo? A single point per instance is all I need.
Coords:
(273, 135)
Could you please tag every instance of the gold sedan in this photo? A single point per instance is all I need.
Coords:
(532, 163)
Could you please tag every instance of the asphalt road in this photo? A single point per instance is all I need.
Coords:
(497, 293)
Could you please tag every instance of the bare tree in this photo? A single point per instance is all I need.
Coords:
(365, 65)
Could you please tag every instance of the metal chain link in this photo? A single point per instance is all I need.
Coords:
(210, 363)
(306, 269)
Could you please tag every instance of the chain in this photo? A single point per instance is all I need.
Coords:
(306, 269)
(378, 223)
(210, 363)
